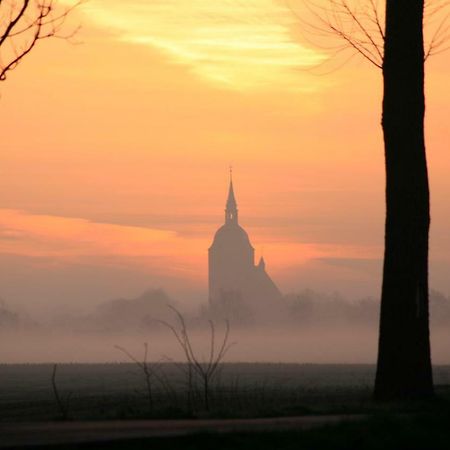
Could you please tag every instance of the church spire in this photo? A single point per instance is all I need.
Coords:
(231, 211)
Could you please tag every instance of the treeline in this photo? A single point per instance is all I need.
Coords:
(311, 307)
(142, 313)
(8, 319)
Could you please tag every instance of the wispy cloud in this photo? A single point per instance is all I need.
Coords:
(238, 44)
(77, 240)
(164, 252)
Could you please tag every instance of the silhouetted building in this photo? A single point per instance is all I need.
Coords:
(237, 287)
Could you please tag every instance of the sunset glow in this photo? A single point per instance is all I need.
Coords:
(116, 150)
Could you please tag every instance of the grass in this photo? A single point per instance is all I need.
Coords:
(117, 391)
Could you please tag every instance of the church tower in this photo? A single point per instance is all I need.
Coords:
(235, 283)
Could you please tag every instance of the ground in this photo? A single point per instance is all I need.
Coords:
(116, 392)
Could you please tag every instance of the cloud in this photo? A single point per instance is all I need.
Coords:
(54, 241)
(7, 234)
(77, 240)
(236, 44)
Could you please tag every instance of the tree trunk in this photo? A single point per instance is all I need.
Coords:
(404, 362)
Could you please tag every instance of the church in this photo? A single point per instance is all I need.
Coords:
(238, 288)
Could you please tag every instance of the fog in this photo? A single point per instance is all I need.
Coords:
(322, 345)
(310, 328)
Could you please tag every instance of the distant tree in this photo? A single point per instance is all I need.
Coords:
(8, 319)
(25, 22)
(395, 44)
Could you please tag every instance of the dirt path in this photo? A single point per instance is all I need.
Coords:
(21, 435)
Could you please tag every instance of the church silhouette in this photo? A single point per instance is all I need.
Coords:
(238, 288)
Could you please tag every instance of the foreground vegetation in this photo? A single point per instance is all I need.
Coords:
(119, 391)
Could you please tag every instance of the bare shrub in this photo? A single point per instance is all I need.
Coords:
(205, 371)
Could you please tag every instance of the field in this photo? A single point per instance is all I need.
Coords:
(118, 391)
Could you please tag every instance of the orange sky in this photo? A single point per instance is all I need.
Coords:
(115, 155)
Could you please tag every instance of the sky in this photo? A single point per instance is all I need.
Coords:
(116, 149)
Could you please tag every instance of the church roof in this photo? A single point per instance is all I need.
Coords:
(231, 235)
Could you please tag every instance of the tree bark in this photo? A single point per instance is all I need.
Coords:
(404, 362)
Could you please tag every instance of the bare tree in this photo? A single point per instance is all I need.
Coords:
(391, 37)
(207, 370)
(360, 26)
(25, 22)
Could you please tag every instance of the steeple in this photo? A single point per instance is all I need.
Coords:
(231, 211)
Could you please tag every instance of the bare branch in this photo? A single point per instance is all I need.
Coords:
(32, 21)
(441, 34)
(354, 26)
(363, 28)
(359, 25)
(63, 405)
(211, 356)
(126, 352)
(148, 371)
(375, 17)
(13, 22)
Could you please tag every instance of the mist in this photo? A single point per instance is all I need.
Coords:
(310, 327)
